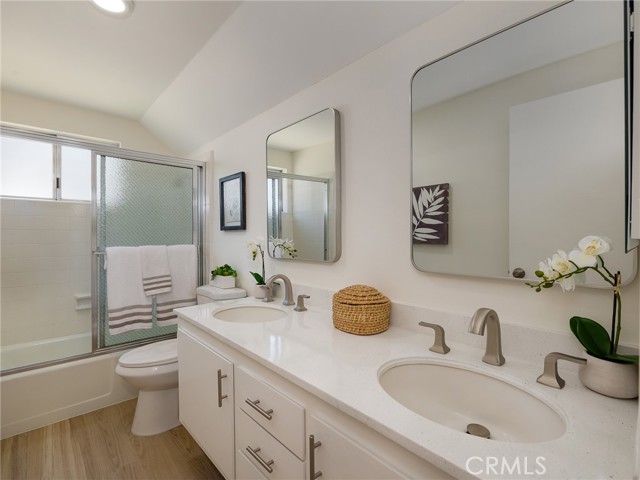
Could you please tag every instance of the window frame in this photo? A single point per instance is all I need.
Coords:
(57, 141)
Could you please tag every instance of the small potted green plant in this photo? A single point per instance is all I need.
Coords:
(223, 277)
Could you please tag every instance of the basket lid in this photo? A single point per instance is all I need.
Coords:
(360, 295)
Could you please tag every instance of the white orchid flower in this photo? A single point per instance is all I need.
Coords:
(255, 247)
(561, 264)
(581, 259)
(547, 272)
(593, 245)
(568, 284)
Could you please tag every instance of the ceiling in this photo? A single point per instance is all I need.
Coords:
(191, 70)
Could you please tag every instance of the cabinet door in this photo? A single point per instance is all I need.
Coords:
(206, 400)
(339, 457)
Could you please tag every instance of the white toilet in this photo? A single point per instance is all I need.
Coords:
(153, 369)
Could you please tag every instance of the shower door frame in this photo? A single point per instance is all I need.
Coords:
(111, 148)
(198, 222)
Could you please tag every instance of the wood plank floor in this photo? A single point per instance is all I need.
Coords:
(100, 446)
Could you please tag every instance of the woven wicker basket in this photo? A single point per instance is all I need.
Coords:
(361, 310)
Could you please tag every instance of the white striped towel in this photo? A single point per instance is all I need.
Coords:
(156, 276)
(128, 307)
(183, 264)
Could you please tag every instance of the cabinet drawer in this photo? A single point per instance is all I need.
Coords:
(245, 470)
(268, 453)
(278, 414)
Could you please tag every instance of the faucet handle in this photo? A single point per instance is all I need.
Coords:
(550, 376)
(439, 344)
(300, 305)
(268, 293)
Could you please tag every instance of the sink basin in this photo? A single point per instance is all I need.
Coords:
(249, 313)
(457, 397)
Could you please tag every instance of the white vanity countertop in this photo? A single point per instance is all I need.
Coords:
(342, 369)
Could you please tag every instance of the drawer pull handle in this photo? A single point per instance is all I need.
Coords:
(220, 396)
(265, 413)
(260, 460)
(312, 458)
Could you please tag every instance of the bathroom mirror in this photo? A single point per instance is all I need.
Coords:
(303, 187)
(518, 146)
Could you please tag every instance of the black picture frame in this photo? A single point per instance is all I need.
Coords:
(232, 202)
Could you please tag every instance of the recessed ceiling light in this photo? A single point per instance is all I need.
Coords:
(114, 7)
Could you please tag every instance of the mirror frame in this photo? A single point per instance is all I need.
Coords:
(631, 137)
(631, 102)
(337, 139)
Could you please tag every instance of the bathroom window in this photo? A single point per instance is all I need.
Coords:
(46, 170)
(27, 168)
(75, 173)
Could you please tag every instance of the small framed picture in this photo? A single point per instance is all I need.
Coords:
(232, 202)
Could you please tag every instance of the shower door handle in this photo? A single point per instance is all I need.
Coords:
(220, 396)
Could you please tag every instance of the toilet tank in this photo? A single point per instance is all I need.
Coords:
(208, 294)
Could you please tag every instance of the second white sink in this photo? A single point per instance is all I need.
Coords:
(249, 313)
(456, 397)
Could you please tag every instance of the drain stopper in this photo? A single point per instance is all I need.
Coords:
(478, 430)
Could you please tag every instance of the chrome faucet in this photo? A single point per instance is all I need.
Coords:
(488, 317)
(288, 291)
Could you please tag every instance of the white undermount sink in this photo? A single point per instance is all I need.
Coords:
(456, 397)
(249, 313)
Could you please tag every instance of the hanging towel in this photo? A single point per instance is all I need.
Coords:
(128, 307)
(156, 276)
(184, 270)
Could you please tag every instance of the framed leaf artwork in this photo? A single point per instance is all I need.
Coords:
(430, 214)
(232, 202)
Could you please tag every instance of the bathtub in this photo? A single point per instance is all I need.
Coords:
(34, 398)
(30, 353)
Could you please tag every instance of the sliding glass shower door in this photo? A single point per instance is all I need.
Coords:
(142, 200)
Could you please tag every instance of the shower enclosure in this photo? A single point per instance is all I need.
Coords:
(53, 292)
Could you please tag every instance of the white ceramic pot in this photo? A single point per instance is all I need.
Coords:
(223, 282)
(617, 380)
(259, 291)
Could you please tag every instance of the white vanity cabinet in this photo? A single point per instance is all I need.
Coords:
(274, 419)
(206, 400)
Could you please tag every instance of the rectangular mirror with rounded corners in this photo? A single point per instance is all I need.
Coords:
(303, 187)
(518, 146)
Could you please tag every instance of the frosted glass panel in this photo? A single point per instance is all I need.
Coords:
(147, 204)
(76, 173)
(26, 168)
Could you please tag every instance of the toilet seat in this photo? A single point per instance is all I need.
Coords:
(152, 355)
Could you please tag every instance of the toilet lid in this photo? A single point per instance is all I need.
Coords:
(158, 353)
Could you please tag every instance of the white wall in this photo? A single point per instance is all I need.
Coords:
(35, 112)
(372, 96)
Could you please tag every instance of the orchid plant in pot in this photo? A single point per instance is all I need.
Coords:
(601, 347)
(280, 247)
